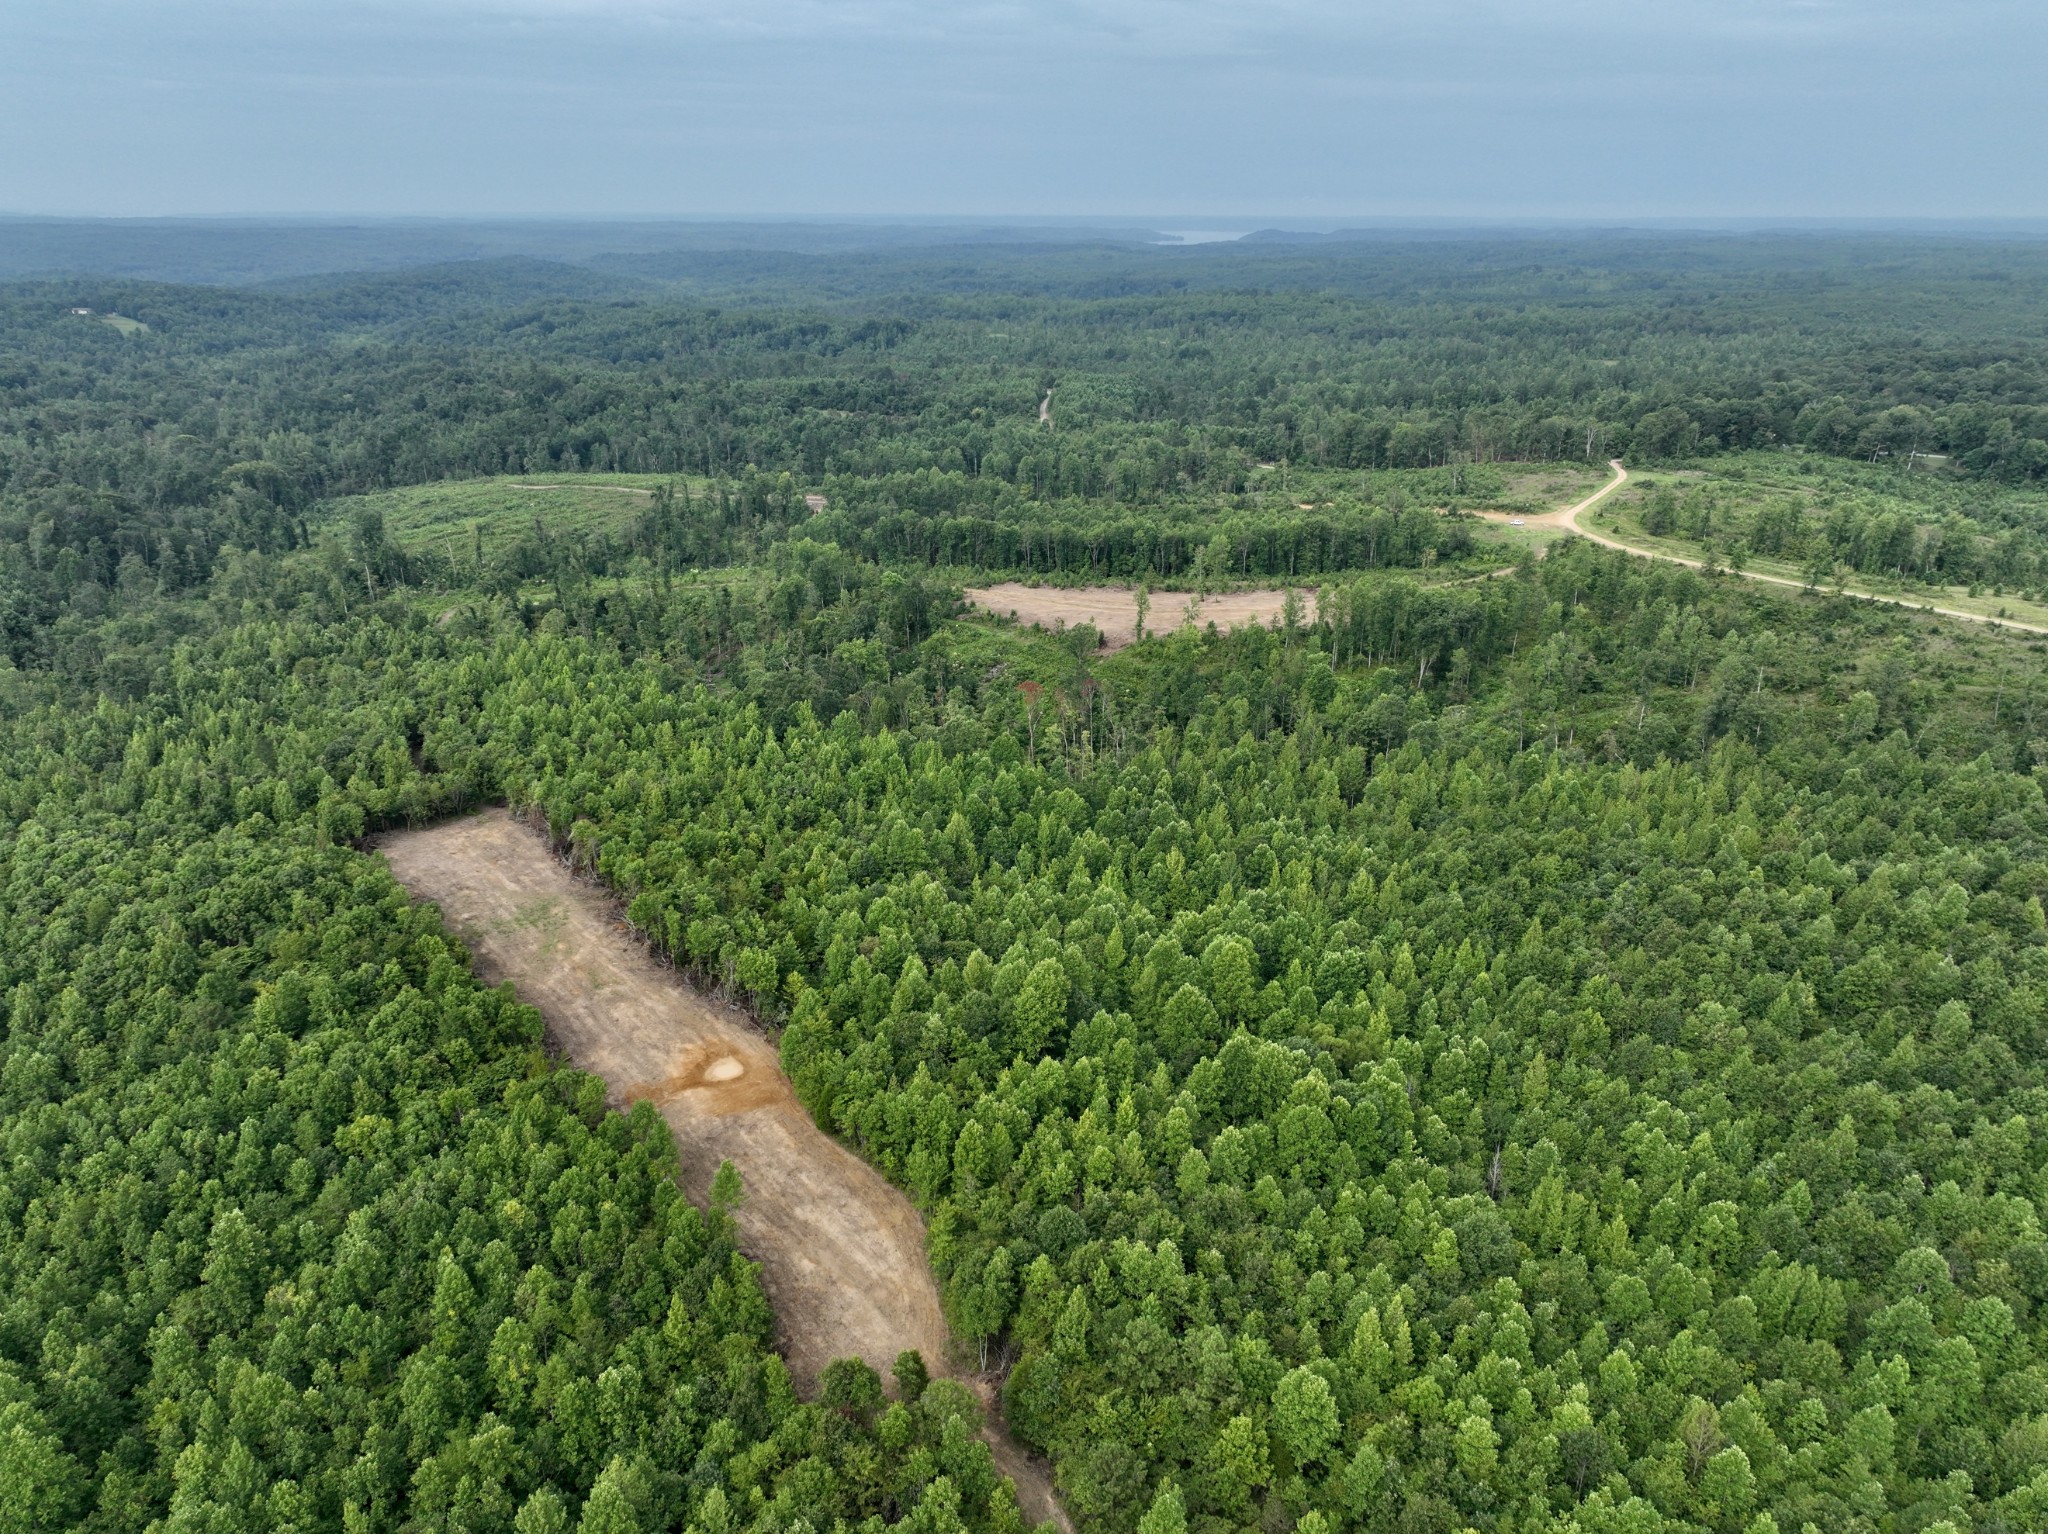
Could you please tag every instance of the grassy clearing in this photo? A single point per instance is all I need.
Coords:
(1536, 488)
(454, 516)
(1500, 542)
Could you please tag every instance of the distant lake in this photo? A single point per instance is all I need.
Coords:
(1201, 236)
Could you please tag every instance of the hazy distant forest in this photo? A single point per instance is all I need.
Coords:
(1535, 1041)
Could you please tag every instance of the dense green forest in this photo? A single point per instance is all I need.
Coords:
(1538, 1045)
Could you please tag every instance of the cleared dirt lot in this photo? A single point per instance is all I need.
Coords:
(842, 1253)
(1114, 609)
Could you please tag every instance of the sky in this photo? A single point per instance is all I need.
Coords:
(1205, 113)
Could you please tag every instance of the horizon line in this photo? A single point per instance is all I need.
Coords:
(1208, 222)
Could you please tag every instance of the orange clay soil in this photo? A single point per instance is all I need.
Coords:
(1114, 609)
(842, 1252)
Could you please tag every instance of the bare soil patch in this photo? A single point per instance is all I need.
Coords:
(1114, 609)
(842, 1252)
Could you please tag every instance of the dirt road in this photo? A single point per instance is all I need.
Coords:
(1567, 519)
(1114, 609)
(842, 1252)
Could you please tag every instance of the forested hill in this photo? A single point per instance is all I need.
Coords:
(1534, 1045)
(1354, 356)
(1172, 373)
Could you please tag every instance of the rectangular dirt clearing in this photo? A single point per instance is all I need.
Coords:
(1114, 609)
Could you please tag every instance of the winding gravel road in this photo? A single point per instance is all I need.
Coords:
(1567, 518)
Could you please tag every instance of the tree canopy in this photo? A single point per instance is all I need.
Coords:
(1535, 1046)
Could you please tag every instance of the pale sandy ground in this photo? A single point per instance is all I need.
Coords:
(842, 1252)
(1114, 609)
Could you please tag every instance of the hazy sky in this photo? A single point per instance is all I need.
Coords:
(1313, 109)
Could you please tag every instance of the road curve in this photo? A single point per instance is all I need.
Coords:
(1567, 519)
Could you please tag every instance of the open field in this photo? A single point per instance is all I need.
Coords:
(1562, 519)
(842, 1252)
(451, 516)
(1543, 485)
(1114, 609)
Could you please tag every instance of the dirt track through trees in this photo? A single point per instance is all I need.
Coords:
(1567, 518)
(842, 1252)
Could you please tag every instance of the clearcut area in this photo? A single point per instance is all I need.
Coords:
(842, 1252)
(1114, 609)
